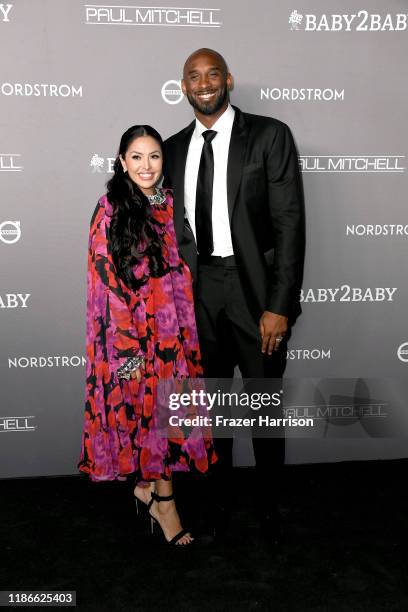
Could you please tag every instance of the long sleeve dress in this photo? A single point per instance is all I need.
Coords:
(120, 433)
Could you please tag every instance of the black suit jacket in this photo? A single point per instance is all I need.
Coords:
(266, 211)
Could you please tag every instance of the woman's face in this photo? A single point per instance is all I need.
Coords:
(144, 162)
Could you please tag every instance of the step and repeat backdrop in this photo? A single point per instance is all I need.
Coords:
(75, 76)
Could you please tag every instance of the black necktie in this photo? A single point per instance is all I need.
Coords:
(203, 208)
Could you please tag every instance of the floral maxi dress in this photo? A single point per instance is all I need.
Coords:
(157, 321)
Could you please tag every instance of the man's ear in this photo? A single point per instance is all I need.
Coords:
(183, 87)
(230, 81)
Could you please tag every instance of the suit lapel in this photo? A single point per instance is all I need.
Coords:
(236, 156)
(179, 165)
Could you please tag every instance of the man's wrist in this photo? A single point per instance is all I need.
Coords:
(276, 314)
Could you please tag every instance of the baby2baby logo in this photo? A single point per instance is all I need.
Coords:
(362, 21)
(346, 293)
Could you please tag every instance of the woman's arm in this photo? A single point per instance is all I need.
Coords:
(110, 322)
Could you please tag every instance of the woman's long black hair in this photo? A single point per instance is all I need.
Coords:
(133, 231)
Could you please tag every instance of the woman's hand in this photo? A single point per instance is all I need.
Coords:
(132, 369)
(136, 374)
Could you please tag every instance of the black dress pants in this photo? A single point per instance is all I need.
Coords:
(230, 337)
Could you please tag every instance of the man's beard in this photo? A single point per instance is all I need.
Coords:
(209, 108)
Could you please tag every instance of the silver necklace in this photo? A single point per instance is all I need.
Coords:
(156, 198)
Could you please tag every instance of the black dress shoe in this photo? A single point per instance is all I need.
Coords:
(272, 530)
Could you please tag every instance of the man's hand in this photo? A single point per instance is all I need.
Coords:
(273, 327)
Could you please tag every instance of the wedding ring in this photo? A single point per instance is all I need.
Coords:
(279, 339)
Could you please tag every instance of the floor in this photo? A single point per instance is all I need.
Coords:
(345, 548)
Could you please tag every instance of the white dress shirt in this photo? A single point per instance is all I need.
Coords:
(220, 145)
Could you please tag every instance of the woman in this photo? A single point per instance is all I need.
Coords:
(140, 330)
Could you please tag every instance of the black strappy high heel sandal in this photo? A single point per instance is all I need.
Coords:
(141, 506)
(180, 534)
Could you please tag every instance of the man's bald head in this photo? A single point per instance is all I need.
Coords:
(208, 53)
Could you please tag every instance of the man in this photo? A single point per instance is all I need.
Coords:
(239, 220)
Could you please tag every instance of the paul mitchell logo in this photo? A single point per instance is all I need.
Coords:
(335, 411)
(353, 163)
(171, 92)
(371, 230)
(345, 293)
(403, 352)
(10, 232)
(17, 423)
(14, 300)
(5, 11)
(10, 162)
(97, 164)
(152, 16)
(301, 95)
(45, 90)
(363, 21)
